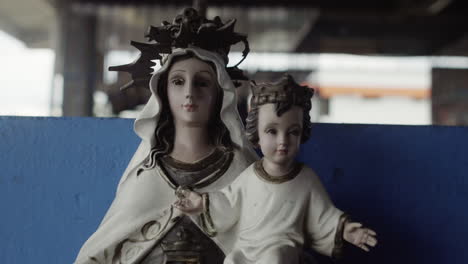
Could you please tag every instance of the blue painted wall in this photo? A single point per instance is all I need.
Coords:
(410, 183)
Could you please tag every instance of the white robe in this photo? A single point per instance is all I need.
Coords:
(263, 222)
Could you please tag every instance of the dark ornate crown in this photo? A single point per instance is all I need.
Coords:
(285, 90)
(188, 29)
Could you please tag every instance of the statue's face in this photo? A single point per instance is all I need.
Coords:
(191, 90)
(279, 137)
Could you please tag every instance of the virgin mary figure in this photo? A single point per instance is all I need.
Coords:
(191, 136)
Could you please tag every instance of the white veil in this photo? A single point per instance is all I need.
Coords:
(146, 122)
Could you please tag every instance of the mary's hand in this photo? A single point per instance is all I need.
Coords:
(189, 202)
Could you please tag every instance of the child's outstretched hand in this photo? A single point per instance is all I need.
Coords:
(188, 202)
(361, 237)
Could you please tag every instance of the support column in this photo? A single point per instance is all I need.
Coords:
(77, 59)
(450, 97)
(200, 6)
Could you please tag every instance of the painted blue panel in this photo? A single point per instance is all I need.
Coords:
(58, 177)
(410, 183)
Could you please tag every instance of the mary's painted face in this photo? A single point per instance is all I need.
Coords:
(191, 91)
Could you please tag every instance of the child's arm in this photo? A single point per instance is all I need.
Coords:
(328, 226)
(217, 211)
(324, 222)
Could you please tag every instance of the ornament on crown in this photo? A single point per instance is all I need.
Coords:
(286, 90)
(188, 29)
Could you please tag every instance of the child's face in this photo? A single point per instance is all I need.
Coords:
(279, 137)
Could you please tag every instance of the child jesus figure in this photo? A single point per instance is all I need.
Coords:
(276, 206)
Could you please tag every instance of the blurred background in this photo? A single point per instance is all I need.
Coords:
(391, 61)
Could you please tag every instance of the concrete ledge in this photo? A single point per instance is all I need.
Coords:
(410, 183)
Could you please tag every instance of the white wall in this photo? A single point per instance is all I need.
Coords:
(383, 110)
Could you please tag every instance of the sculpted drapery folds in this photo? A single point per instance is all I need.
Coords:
(191, 135)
